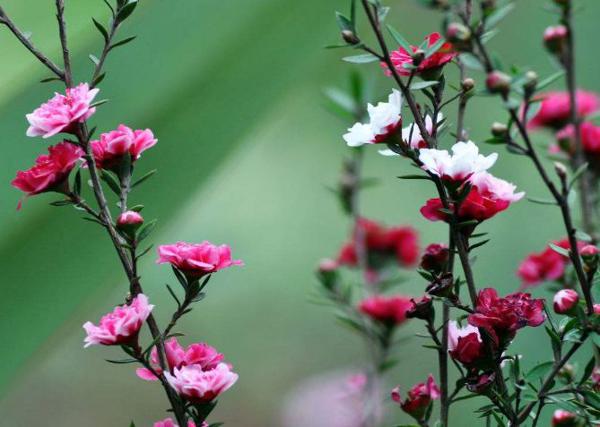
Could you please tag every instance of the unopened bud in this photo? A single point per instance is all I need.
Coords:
(457, 33)
(589, 255)
(498, 82)
(422, 309)
(555, 39)
(565, 301)
(129, 221)
(467, 84)
(327, 272)
(531, 81)
(561, 170)
(567, 373)
(417, 57)
(562, 418)
(499, 130)
(350, 38)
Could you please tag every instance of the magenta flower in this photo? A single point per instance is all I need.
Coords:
(555, 110)
(389, 310)
(114, 145)
(200, 386)
(121, 326)
(50, 171)
(419, 399)
(196, 260)
(168, 422)
(61, 112)
(565, 301)
(200, 354)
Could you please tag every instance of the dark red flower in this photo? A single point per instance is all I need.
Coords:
(501, 317)
(435, 257)
(469, 349)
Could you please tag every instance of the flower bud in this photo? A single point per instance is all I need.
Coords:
(327, 272)
(499, 130)
(481, 383)
(567, 373)
(458, 34)
(498, 82)
(589, 254)
(467, 84)
(435, 258)
(596, 308)
(565, 301)
(561, 170)
(129, 221)
(531, 81)
(422, 309)
(417, 57)
(563, 418)
(555, 39)
(350, 38)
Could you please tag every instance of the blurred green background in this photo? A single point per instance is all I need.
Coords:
(233, 90)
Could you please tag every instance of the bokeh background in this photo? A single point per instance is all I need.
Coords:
(233, 90)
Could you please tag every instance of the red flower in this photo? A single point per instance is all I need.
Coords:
(401, 58)
(419, 399)
(435, 257)
(398, 243)
(590, 138)
(501, 317)
(469, 349)
(390, 310)
(547, 265)
(555, 110)
(50, 171)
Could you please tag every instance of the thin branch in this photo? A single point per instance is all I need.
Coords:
(62, 31)
(4, 19)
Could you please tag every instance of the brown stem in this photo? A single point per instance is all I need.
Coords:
(62, 31)
(107, 46)
(4, 19)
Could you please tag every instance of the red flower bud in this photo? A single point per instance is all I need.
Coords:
(420, 398)
(565, 301)
(435, 257)
(442, 286)
(563, 418)
(498, 82)
(422, 309)
(481, 383)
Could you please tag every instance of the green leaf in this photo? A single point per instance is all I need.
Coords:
(146, 230)
(121, 42)
(361, 59)
(94, 59)
(426, 177)
(423, 85)
(559, 250)
(497, 16)
(430, 50)
(344, 23)
(580, 235)
(110, 181)
(550, 79)
(578, 173)
(102, 30)
(125, 11)
(541, 201)
(144, 178)
(470, 61)
(478, 244)
(399, 39)
(589, 368)
(539, 371)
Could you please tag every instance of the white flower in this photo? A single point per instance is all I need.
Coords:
(383, 119)
(455, 332)
(499, 188)
(411, 135)
(464, 161)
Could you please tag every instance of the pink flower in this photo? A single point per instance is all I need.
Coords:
(200, 386)
(555, 38)
(501, 317)
(562, 418)
(51, 170)
(547, 265)
(196, 260)
(113, 146)
(121, 327)
(430, 66)
(555, 108)
(168, 422)
(596, 308)
(590, 138)
(200, 354)
(419, 399)
(459, 166)
(565, 301)
(130, 219)
(412, 137)
(390, 310)
(61, 112)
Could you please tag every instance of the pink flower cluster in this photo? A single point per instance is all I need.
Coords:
(196, 260)
(62, 112)
(121, 326)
